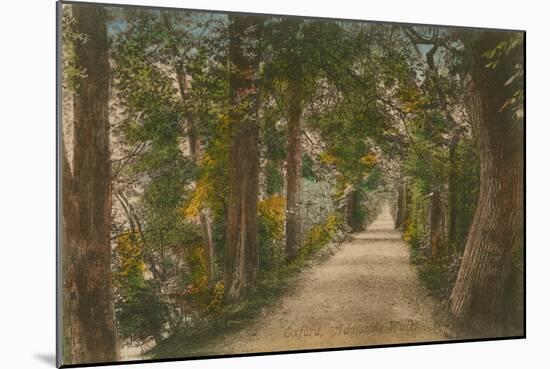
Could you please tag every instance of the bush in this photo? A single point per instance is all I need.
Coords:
(320, 235)
(142, 313)
(139, 310)
(204, 298)
(271, 239)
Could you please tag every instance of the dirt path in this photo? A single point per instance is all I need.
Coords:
(367, 293)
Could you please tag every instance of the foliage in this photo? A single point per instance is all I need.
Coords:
(205, 299)
(467, 190)
(171, 187)
(271, 233)
(139, 310)
(510, 49)
(320, 235)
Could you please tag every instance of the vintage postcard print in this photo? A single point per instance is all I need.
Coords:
(236, 183)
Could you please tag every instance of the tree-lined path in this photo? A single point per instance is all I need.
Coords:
(367, 293)
(230, 151)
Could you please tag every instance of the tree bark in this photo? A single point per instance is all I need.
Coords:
(244, 155)
(478, 296)
(438, 239)
(438, 235)
(206, 233)
(453, 188)
(88, 314)
(294, 171)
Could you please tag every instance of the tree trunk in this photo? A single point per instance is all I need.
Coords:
(294, 171)
(438, 235)
(478, 296)
(437, 226)
(453, 188)
(206, 233)
(244, 155)
(88, 315)
(354, 217)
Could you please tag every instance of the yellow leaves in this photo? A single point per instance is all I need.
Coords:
(215, 305)
(413, 99)
(321, 234)
(203, 189)
(196, 260)
(327, 158)
(341, 186)
(206, 160)
(197, 201)
(415, 105)
(272, 210)
(129, 252)
(314, 235)
(273, 207)
(369, 160)
(208, 300)
(409, 107)
(333, 223)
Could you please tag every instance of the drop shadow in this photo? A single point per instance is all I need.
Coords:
(46, 358)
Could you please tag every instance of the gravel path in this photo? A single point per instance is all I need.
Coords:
(367, 293)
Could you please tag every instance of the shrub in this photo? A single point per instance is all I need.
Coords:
(139, 310)
(206, 299)
(320, 235)
(271, 233)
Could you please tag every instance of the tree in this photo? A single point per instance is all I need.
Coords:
(479, 294)
(157, 174)
(244, 154)
(174, 39)
(294, 164)
(289, 67)
(88, 316)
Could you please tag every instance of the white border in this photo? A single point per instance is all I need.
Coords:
(27, 184)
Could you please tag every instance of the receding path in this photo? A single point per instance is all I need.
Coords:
(367, 293)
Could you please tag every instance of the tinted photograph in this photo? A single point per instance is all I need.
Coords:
(233, 183)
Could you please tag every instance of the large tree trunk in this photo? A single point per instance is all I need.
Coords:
(294, 171)
(478, 296)
(244, 155)
(438, 235)
(88, 315)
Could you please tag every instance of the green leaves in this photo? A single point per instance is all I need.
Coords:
(503, 49)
